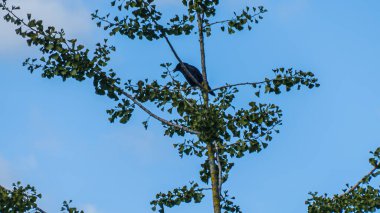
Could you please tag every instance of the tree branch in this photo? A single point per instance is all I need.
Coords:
(202, 50)
(252, 83)
(360, 182)
(157, 117)
(228, 20)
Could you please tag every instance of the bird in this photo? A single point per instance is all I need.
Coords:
(195, 73)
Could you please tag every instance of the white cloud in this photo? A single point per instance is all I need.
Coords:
(162, 2)
(28, 163)
(5, 172)
(138, 143)
(90, 208)
(49, 140)
(291, 9)
(74, 19)
(135, 140)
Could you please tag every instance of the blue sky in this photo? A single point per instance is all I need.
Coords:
(56, 135)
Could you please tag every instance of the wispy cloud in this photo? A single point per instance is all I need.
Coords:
(291, 9)
(136, 142)
(5, 172)
(50, 141)
(165, 2)
(75, 19)
(28, 163)
(90, 208)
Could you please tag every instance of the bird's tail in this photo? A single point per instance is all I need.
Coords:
(210, 91)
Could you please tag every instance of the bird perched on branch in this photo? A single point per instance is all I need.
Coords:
(195, 73)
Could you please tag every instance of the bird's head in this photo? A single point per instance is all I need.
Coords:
(178, 68)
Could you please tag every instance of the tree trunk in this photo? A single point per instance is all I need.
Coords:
(214, 179)
(211, 153)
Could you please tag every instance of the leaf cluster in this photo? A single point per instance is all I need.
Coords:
(361, 197)
(64, 57)
(67, 208)
(19, 199)
(228, 204)
(185, 194)
(24, 199)
(286, 79)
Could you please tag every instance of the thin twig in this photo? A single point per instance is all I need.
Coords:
(205, 189)
(228, 20)
(179, 90)
(249, 83)
(157, 117)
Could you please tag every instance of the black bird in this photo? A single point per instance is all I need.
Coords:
(195, 73)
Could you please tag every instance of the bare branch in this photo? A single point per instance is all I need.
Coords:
(238, 84)
(157, 117)
(228, 20)
(252, 83)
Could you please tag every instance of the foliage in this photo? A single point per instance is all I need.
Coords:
(228, 205)
(66, 208)
(178, 196)
(19, 199)
(362, 197)
(24, 199)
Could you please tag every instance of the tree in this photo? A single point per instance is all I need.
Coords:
(212, 128)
